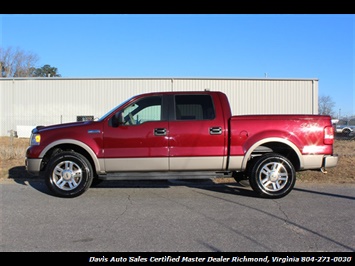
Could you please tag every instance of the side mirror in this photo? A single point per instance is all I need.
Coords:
(117, 119)
(120, 118)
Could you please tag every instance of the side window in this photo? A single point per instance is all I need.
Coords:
(342, 123)
(144, 110)
(194, 107)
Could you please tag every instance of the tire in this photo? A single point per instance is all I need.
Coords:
(272, 176)
(68, 175)
(346, 132)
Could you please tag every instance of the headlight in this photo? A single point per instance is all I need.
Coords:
(35, 139)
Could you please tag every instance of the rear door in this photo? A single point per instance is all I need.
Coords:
(197, 133)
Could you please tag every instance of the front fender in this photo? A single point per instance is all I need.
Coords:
(73, 142)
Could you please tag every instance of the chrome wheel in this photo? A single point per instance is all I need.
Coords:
(67, 175)
(273, 176)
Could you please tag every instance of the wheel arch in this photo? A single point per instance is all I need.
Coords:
(276, 145)
(70, 145)
(346, 130)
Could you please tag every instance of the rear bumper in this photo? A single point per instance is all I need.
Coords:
(317, 161)
(330, 161)
(33, 166)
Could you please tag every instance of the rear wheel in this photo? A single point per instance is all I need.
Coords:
(68, 175)
(272, 176)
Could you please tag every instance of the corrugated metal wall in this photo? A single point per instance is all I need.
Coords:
(261, 96)
(44, 101)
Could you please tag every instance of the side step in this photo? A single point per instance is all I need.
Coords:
(163, 175)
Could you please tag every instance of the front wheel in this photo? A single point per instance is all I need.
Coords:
(272, 176)
(68, 175)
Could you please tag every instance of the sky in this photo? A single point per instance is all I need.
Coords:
(304, 46)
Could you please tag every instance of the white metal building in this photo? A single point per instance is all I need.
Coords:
(28, 102)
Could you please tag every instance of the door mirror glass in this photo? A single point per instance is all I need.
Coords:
(117, 120)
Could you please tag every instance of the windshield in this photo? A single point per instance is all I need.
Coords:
(109, 112)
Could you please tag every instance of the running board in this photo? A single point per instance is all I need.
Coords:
(163, 175)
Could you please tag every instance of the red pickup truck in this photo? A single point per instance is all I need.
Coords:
(173, 135)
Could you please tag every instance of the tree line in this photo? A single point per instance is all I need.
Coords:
(19, 63)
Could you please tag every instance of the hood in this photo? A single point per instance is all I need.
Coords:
(39, 129)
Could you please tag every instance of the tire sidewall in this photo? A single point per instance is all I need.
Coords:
(255, 171)
(346, 132)
(82, 162)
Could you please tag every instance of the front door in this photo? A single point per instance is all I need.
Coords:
(140, 141)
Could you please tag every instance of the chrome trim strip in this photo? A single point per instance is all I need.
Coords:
(94, 131)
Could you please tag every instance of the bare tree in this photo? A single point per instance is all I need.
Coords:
(325, 105)
(17, 63)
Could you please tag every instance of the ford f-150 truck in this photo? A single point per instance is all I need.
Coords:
(174, 135)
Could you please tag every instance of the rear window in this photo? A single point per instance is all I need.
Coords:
(194, 107)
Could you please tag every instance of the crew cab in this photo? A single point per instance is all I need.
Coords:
(174, 135)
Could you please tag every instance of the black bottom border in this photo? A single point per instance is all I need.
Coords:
(91, 258)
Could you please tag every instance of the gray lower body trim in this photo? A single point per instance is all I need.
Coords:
(318, 161)
(330, 161)
(197, 163)
(136, 164)
(236, 162)
(207, 163)
(164, 175)
(33, 166)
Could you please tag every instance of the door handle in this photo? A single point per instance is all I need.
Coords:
(160, 131)
(215, 130)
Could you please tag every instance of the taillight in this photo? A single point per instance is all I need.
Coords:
(329, 135)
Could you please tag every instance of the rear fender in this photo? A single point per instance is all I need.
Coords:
(252, 148)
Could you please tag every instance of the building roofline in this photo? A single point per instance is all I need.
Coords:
(154, 78)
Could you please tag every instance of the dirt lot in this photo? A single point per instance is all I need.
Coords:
(13, 151)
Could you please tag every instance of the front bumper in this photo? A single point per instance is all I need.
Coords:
(33, 166)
